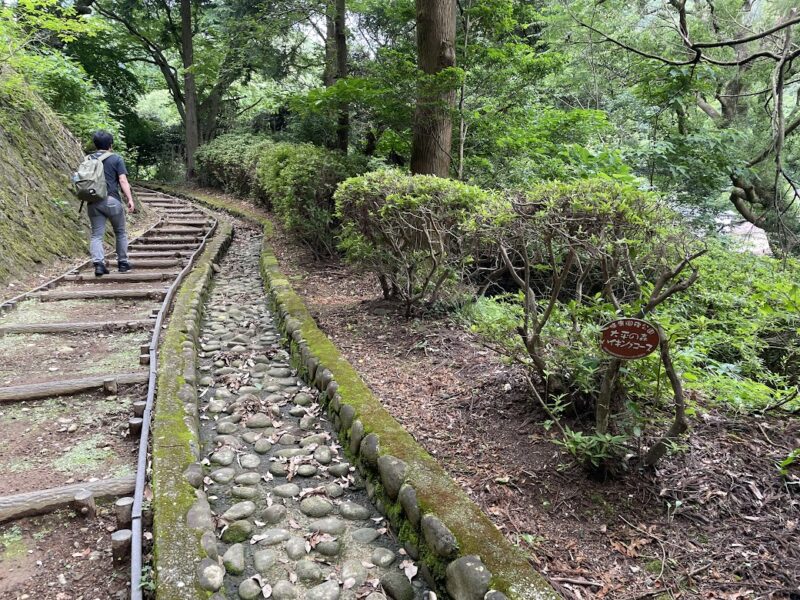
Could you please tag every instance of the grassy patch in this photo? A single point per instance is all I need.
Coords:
(84, 455)
(12, 543)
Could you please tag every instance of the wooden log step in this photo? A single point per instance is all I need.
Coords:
(193, 231)
(98, 294)
(156, 263)
(132, 276)
(173, 239)
(190, 222)
(66, 387)
(149, 247)
(158, 254)
(76, 327)
(46, 501)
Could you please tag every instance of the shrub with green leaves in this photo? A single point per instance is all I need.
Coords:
(299, 181)
(229, 162)
(416, 233)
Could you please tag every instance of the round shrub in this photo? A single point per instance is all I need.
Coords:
(299, 181)
(415, 232)
(229, 162)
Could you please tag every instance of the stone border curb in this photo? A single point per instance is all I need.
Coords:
(181, 514)
(458, 548)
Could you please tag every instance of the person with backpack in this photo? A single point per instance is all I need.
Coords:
(98, 182)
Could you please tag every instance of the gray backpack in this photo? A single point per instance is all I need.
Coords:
(90, 180)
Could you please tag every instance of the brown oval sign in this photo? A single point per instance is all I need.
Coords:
(629, 338)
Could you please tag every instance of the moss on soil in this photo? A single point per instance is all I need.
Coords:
(12, 543)
(39, 217)
(436, 491)
(87, 454)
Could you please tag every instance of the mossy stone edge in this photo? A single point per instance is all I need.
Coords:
(176, 441)
(321, 364)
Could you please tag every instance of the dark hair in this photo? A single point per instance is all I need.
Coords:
(102, 140)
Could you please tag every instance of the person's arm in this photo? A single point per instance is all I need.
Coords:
(126, 189)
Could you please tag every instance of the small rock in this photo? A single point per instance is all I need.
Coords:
(227, 428)
(223, 475)
(249, 589)
(283, 590)
(325, 591)
(274, 514)
(274, 536)
(302, 399)
(339, 469)
(250, 461)
(208, 541)
(328, 548)
(259, 421)
(233, 559)
(306, 470)
(383, 557)
(392, 471)
(287, 439)
(353, 511)
(210, 575)
(315, 506)
(245, 492)
(334, 490)
(308, 570)
(295, 547)
(240, 510)
(323, 455)
(238, 531)
(353, 569)
(330, 525)
(365, 535)
(264, 559)
(223, 456)
(248, 478)
(468, 578)
(495, 595)
(286, 490)
(278, 469)
(397, 585)
(262, 446)
(439, 537)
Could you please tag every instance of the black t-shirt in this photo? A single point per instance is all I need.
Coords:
(113, 167)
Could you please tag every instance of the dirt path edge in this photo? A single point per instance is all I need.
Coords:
(181, 514)
(427, 509)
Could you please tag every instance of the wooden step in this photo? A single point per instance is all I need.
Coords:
(131, 276)
(163, 239)
(67, 387)
(149, 247)
(153, 263)
(148, 253)
(189, 222)
(98, 294)
(76, 327)
(46, 501)
(193, 231)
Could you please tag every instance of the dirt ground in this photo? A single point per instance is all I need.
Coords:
(60, 556)
(714, 521)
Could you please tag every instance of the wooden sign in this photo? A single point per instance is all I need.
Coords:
(629, 338)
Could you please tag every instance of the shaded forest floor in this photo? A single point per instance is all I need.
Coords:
(714, 521)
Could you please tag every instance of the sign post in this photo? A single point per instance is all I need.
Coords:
(629, 339)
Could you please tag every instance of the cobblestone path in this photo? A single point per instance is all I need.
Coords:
(293, 518)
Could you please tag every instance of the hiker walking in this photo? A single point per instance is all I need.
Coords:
(100, 189)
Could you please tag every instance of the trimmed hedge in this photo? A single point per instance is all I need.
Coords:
(415, 232)
(296, 181)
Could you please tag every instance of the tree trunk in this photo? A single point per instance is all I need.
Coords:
(433, 131)
(329, 73)
(343, 125)
(189, 89)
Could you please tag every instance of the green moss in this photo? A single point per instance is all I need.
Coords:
(84, 455)
(12, 543)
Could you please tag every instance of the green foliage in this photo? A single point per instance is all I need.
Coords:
(229, 162)
(593, 449)
(413, 232)
(299, 181)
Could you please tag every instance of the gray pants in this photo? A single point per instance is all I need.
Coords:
(111, 209)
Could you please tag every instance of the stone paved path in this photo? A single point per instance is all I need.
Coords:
(294, 519)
